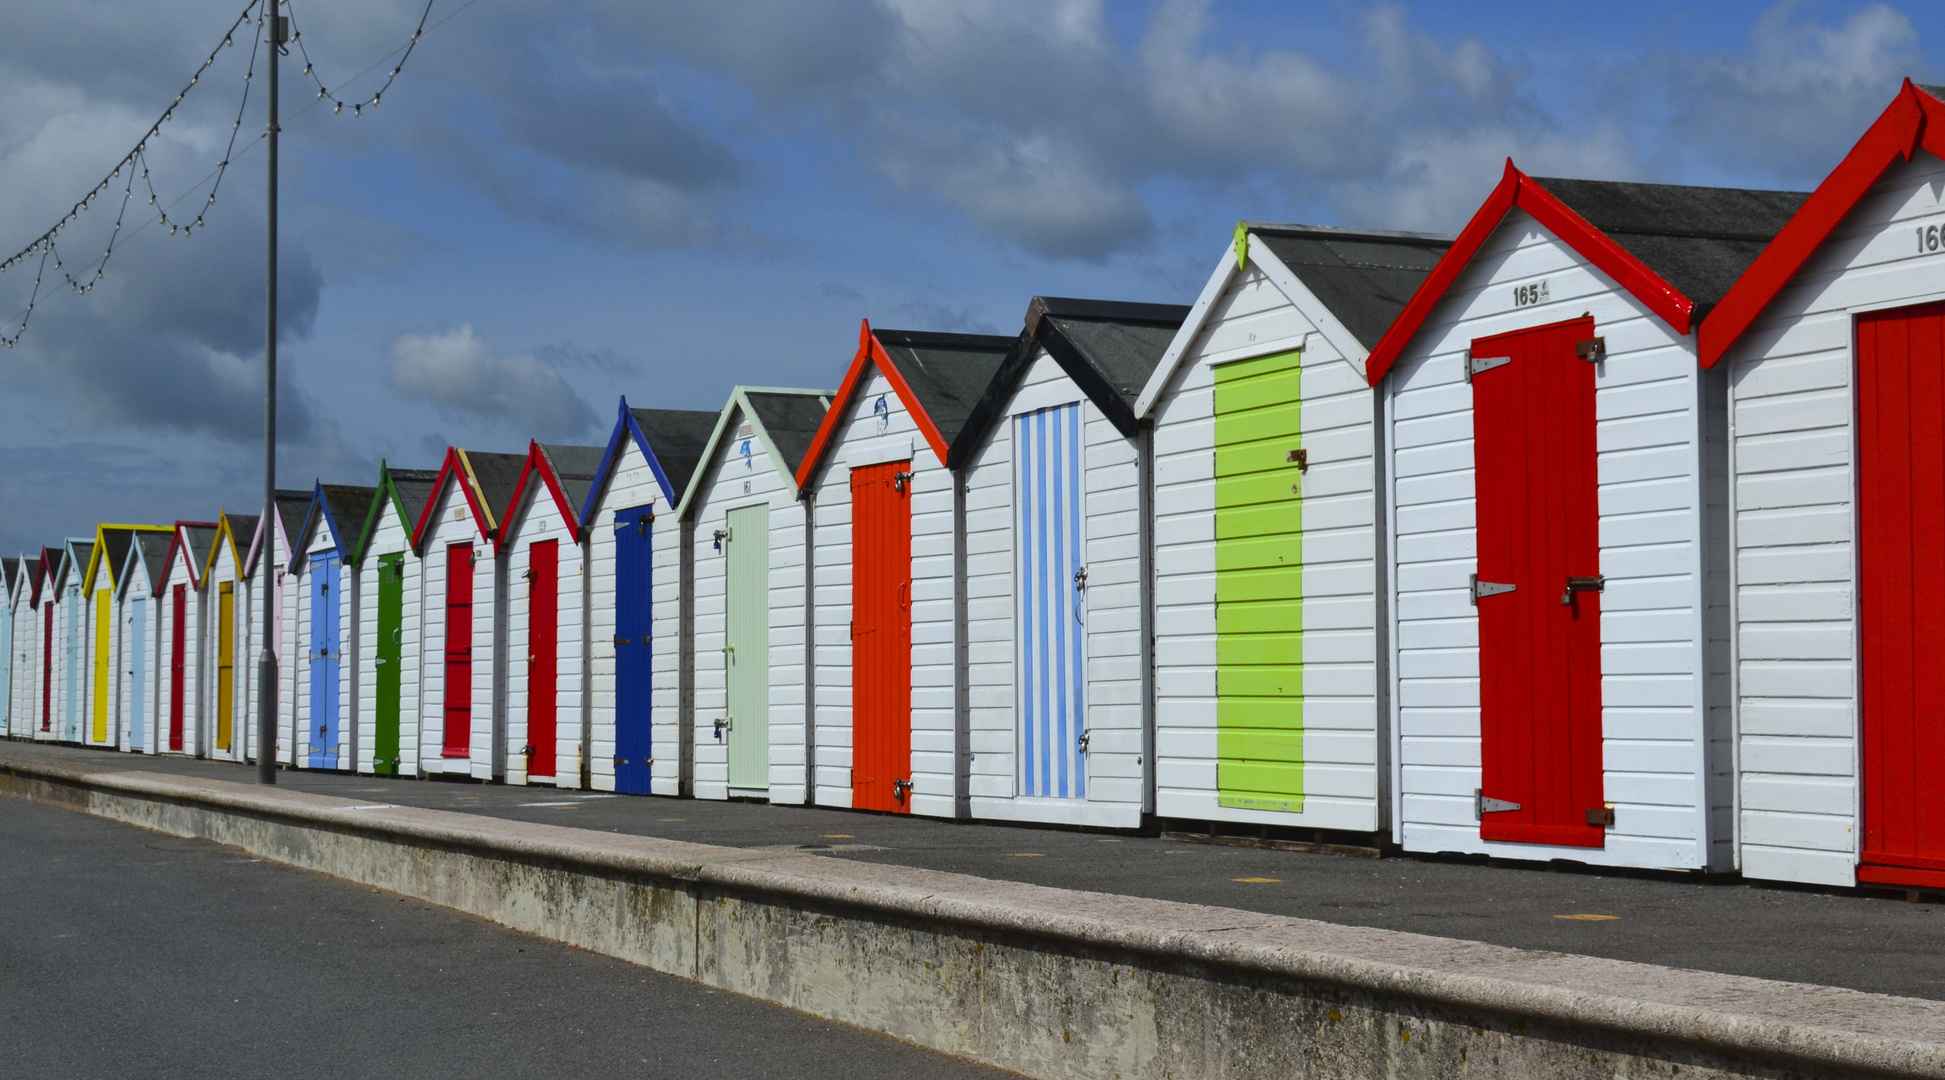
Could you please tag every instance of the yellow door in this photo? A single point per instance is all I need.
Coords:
(225, 661)
(104, 620)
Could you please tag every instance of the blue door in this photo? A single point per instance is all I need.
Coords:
(1053, 577)
(634, 662)
(138, 668)
(324, 661)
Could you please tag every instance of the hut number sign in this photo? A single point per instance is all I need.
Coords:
(1929, 238)
(1535, 293)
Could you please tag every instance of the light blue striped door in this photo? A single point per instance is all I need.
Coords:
(1052, 583)
(6, 671)
(138, 670)
(71, 716)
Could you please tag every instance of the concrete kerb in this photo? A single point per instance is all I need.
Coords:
(1054, 983)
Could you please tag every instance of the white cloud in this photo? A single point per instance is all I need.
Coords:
(456, 370)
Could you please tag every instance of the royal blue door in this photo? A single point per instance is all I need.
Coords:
(634, 625)
(138, 650)
(324, 661)
(1053, 579)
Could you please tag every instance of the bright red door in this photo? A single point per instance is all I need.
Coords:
(1540, 641)
(881, 637)
(543, 656)
(459, 651)
(178, 640)
(1901, 559)
(47, 665)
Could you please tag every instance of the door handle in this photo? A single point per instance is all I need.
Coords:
(1596, 583)
(900, 789)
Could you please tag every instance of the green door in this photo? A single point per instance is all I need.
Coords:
(1259, 584)
(746, 652)
(391, 611)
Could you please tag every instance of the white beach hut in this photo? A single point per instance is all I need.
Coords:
(324, 591)
(227, 651)
(99, 586)
(179, 728)
(390, 578)
(17, 587)
(275, 533)
(39, 653)
(140, 669)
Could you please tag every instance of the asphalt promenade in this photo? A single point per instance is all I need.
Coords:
(1864, 941)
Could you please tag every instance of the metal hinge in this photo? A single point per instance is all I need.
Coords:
(1593, 350)
(1481, 806)
(1487, 588)
(1475, 365)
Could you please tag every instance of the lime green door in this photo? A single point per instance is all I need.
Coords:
(1259, 584)
(746, 651)
(391, 617)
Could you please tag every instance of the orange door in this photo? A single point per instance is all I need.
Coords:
(881, 637)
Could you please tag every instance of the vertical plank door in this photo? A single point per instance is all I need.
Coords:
(1539, 644)
(1901, 560)
(1259, 583)
(225, 663)
(47, 665)
(178, 645)
(104, 627)
(138, 663)
(458, 738)
(388, 664)
(1052, 581)
(543, 658)
(71, 670)
(746, 646)
(881, 636)
(634, 660)
(325, 657)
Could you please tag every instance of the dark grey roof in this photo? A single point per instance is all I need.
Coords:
(679, 437)
(10, 567)
(497, 475)
(1698, 239)
(154, 549)
(575, 467)
(948, 373)
(199, 538)
(243, 529)
(414, 487)
(117, 542)
(1932, 89)
(1108, 347)
(349, 505)
(75, 562)
(791, 420)
(291, 508)
(1364, 277)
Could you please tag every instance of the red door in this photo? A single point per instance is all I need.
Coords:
(179, 611)
(1540, 641)
(1901, 560)
(881, 637)
(459, 651)
(47, 665)
(543, 655)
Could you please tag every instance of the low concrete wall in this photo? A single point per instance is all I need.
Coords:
(1053, 983)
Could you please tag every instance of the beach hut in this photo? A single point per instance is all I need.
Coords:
(1833, 343)
(1056, 583)
(41, 707)
(749, 615)
(323, 586)
(638, 573)
(461, 658)
(888, 531)
(275, 533)
(22, 572)
(9, 590)
(71, 652)
(542, 544)
(1560, 634)
(390, 575)
(227, 658)
(1264, 542)
(141, 668)
(98, 588)
(179, 728)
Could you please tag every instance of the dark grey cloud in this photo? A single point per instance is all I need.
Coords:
(458, 371)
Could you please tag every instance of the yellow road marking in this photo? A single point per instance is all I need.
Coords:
(837, 836)
(1589, 918)
(1257, 880)
(1029, 854)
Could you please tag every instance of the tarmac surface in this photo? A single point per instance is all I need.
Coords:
(128, 953)
(1877, 942)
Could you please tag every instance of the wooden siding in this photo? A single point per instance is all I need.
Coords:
(452, 523)
(178, 574)
(390, 535)
(537, 521)
(1650, 446)
(224, 569)
(1341, 760)
(300, 589)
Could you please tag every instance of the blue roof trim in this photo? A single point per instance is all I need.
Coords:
(611, 457)
(301, 546)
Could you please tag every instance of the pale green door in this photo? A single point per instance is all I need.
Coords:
(746, 655)
(1259, 584)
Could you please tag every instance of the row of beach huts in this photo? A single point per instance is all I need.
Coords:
(1610, 530)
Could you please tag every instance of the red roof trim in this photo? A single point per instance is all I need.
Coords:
(451, 467)
(176, 544)
(1516, 189)
(1899, 132)
(537, 462)
(872, 352)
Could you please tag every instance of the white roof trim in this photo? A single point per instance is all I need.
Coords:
(1186, 336)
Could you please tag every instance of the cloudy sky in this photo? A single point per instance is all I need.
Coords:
(558, 203)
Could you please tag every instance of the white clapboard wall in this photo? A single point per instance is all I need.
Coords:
(452, 524)
(537, 519)
(390, 535)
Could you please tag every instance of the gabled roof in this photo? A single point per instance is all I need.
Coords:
(336, 506)
(567, 472)
(672, 441)
(1914, 120)
(784, 421)
(194, 539)
(938, 377)
(291, 505)
(487, 481)
(76, 553)
(148, 554)
(1349, 283)
(30, 579)
(111, 552)
(1675, 249)
(11, 568)
(228, 527)
(406, 491)
(44, 566)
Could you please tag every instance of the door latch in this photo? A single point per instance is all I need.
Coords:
(1081, 743)
(722, 725)
(1596, 583)
(1080, 580)
(900, 789)
(1593, 350)
(900, 481)
(1600, 816)
(1481, 806)
(1478, 364)
(527, 750)
(1487, 588)
(1299, 458)
(621, 761)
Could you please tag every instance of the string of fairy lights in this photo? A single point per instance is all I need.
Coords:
(134, 165)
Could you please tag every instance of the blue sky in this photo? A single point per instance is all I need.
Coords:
(560, 203)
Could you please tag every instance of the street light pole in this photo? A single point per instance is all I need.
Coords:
(279, 31)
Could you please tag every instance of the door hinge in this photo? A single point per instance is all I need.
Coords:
(1478, 364)
(1487, 588)
(1593, 350)
(1481, 806)
(1600, 815)
(1597, 583)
